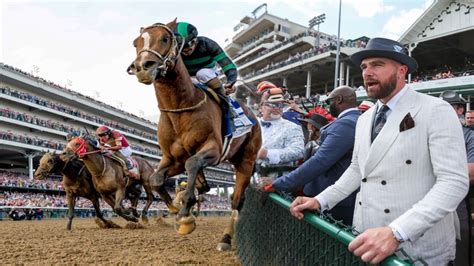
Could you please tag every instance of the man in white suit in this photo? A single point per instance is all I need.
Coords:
(409, 162)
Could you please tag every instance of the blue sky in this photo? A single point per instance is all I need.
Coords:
(86, 45)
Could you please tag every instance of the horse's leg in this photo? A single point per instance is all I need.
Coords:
(149, 200)
(118, 208)
(157, 180)
(71, 203)
(134, 192)
(209, 155)
(201, 184)
(243, 174)
(98, 213)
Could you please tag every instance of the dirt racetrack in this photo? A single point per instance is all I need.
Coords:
(48, 242)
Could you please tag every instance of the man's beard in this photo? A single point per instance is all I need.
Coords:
(385, 89)
(275, 116)
(333, 110)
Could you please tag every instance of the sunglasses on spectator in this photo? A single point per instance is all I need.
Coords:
(328, 100)
(102, 134)
(275, 105)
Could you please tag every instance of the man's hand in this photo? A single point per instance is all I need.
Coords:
(303, 203)
(266, 184)
(374, 245)
(229, 88)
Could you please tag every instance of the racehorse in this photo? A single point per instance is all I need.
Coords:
(77, 181)
(189, 129)
(108, 176)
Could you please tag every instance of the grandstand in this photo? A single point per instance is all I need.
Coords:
(271, 48)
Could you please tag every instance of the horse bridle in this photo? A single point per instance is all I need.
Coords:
(82, 150)
(171, 56)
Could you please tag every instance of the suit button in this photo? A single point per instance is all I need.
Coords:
(386, 210)
(408, 161)
(364, 179)
(360, 203)
(384, 182)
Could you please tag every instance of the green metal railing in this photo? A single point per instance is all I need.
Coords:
(266, 234)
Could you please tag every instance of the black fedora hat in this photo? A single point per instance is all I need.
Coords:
(317, 120)
(381, 47)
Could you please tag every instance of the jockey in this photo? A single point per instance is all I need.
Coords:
(200, 55)
(114, 141)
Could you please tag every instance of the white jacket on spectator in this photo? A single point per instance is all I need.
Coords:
(283, 140)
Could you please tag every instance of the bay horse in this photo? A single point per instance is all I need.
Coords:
(77, 181)
(108, 176)
(190, 125)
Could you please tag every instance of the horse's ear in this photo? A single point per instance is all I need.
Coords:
(172, 24)
(141, 30)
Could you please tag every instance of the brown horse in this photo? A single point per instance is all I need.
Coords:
(77, 181)
(108, 176)
(189, 129)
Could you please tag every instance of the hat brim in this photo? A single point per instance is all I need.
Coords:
(411, 63)
(312, 122)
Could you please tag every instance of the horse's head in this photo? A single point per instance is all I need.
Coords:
(75, 147)
(46, 165)
(157, 51)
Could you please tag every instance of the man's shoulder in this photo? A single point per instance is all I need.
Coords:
(350, 118)
(468, 133)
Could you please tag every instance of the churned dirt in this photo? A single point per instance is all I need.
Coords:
(48, 242)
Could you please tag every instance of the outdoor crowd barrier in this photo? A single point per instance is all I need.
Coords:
(267, 234)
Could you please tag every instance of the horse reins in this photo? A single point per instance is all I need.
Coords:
(82, 146)
(186, 109)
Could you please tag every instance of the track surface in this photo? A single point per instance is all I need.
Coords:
(48, 242)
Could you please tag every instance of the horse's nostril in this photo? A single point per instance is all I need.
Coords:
(148, 64)
(131, 69)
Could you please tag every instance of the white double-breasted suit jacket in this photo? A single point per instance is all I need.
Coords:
(412, 179)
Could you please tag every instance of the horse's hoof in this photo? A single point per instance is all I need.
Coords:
(185, 225)
(145, 220)
(173, 209)
(134, 226)
(185, 229)
(223, 246)
(111, 224)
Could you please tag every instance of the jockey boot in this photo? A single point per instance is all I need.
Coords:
(126, 165)
(216, 85)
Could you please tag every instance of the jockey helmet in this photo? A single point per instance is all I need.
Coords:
(183, 184)
(102, 130)
(264, 85)
(187, 32)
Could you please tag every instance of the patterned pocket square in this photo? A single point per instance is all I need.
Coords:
(407, 123)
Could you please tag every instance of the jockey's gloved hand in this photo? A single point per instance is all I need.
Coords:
(229, 88)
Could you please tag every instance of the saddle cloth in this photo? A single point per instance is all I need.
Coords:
(134, 172)
(242, 123)
(232, 127)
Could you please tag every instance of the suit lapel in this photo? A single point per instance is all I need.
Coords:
(390, 131)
